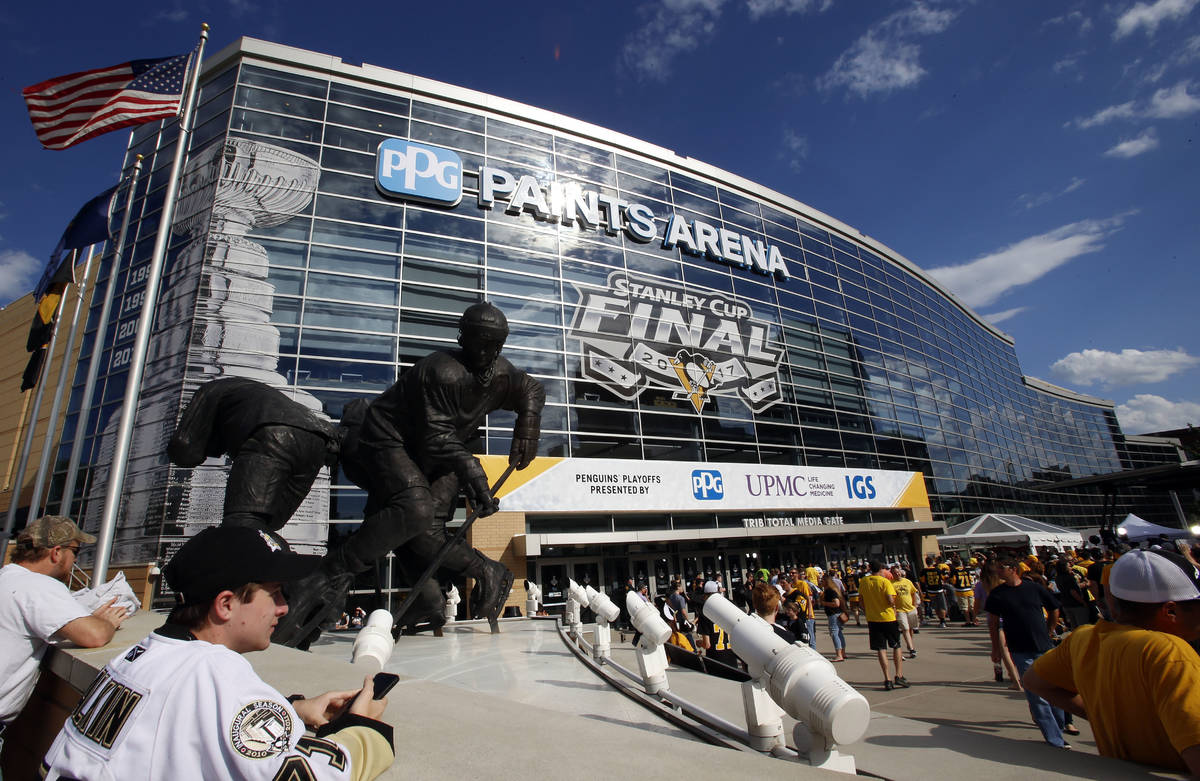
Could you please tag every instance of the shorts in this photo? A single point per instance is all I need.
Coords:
(966, 600)
(883, 634)
(936, 600)
(854, 599)
(909, 620)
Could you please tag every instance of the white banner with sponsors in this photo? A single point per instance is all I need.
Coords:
(620, 485)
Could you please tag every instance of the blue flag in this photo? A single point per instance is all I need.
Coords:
(88, 227)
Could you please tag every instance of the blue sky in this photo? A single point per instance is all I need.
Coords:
(1039, 157)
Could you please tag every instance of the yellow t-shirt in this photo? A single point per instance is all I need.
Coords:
(812, 575)
(875, 591)
(1141, 690)
(904, 595)
(803, 596)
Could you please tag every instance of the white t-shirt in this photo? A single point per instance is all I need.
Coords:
(189, 710)
(32, 608)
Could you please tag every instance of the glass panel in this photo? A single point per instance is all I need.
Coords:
(447, 116)
(353, 262)
(444, 136)
(444, 248)
(349, 316)
(288, 82)
(440, 299)
(290, 105)
(530, 287)
(441, 273)
(273, 125)
(338, 344)
(444, 224)
(365, 98)
(382, 214)
(347, 374)
(356, 289)
(367, 120)
(361, 236)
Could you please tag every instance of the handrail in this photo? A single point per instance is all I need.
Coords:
(703, 723)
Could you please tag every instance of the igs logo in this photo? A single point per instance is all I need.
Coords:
(418, 171)
(707, 484)
(860, 487)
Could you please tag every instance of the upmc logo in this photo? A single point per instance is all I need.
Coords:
(707, 484)
(419, 171)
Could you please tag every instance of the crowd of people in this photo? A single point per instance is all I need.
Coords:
(1107, 634)
(1103, 634)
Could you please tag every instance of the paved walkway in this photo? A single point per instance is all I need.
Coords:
(955, 721)
(519, 704)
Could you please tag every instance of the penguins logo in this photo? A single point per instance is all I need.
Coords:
(695, 373)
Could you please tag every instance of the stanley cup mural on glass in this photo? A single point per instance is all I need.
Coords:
(214, 320)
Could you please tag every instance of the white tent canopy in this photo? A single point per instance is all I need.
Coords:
(992, 529)
(1137, 529)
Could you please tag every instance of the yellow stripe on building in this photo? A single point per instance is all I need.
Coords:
(914, 494)
(494, 466)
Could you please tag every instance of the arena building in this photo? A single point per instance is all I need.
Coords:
(734, 379)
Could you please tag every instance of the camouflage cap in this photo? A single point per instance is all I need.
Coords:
(50, 531)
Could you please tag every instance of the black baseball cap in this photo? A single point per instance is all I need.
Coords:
(229, 557)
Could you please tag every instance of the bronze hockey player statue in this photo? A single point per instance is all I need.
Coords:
(410, 455)
(277, 447)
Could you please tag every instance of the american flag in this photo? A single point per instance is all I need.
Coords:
(74, 108)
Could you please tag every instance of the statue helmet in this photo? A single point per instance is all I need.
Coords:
(483, 319)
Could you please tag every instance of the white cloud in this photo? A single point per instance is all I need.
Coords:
(797, 147)
(1132, 147)
(1189, 52)
(1165, 103)
(671, 28)
(1030, 201)
(1074, 18)
(1173, 102)
(982, 281)
(1007, 314)
(19, 272)
(1146, 413)
(1090, 367)
(885, 58)
(1069, 63)
(760, 8)
(1149, 16)
(1105, 115)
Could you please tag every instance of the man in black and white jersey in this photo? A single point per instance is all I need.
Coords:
(184, 704)
(934, 590)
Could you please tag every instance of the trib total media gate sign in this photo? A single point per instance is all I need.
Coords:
(590, 485)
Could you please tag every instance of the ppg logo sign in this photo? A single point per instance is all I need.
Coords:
(419, 171)
(707, 484)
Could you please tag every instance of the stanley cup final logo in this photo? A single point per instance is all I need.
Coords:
(647, 333)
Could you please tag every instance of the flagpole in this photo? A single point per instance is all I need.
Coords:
(89, 389)
(49, 444)
(137, 365)
(27, 445)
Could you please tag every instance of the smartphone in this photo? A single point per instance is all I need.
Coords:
(383, 684)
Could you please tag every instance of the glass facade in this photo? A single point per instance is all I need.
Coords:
(872, 364)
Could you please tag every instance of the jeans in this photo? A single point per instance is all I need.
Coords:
(1050, 720)
(835, 632)
(812, 632)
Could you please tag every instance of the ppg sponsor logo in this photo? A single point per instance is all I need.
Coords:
(419, 171)
(860, 487)
(707, 484)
